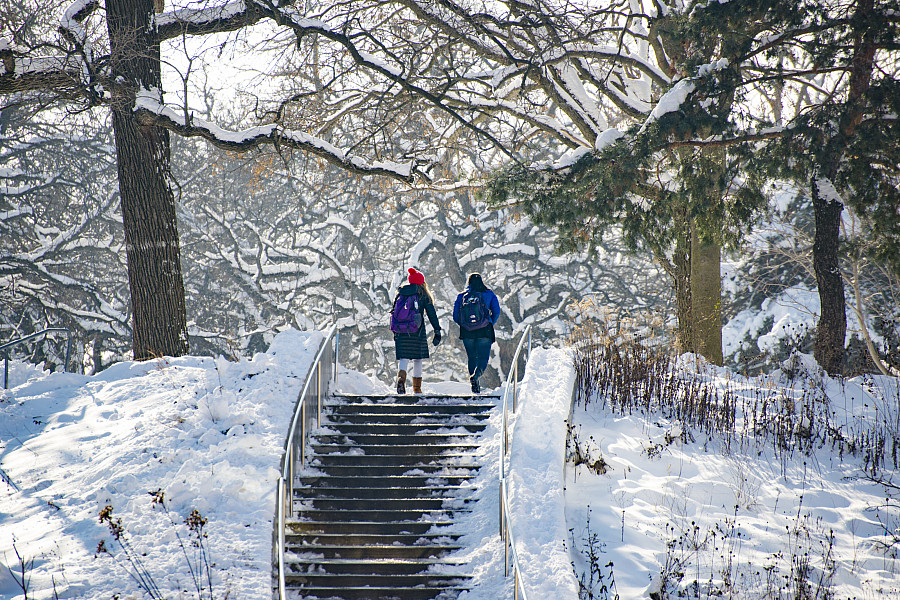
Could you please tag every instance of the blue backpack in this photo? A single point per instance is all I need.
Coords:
(406, 317)
(473, 313)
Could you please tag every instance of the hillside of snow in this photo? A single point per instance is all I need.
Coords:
(792, 494)
(653, 507)
(209, 433)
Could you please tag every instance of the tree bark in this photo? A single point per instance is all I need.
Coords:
(706, 297)
(148, 204)
(831, 328)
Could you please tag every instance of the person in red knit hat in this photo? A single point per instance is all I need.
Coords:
(412, 302)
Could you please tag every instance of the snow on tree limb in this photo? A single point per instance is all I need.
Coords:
(150, 111)
(18, 74)
(210, 19)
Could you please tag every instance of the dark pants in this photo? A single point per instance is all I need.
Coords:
(478, 351)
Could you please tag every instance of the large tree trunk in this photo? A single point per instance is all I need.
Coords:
(148, 205)
(706, 297)
(832, 326)
(827, 204)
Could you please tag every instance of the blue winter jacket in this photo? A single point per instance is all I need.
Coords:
(493, 304)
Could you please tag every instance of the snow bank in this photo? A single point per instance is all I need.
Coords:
(536, 476)
(208, 433)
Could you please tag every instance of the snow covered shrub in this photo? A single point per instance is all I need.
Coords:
(792, 412)
(707, 562)
(579, 452)
(887, 513)
(627, 375)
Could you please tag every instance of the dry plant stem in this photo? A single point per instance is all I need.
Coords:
(138, 571)
(158, 498)
(23, 579)
(596, 584)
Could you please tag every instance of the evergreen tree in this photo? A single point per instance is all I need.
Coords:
(742, 66)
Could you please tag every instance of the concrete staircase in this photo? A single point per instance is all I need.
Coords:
(374, 513)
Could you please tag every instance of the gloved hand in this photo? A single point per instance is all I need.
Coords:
(437, 338)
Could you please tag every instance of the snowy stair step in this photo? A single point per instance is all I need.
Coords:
(418, 527)
(416, 481)
(405, 449)
(448, 459)
(435, 409)
(376, 515)
(392, 580)
(396, 429)
(417, 399)
(407, 418)
(371, 552)
(412, 469)
(384, 593)
(375, 440)
(368, 493)
(374, 511)
(371, 539)
(370, 567)
(384, 504)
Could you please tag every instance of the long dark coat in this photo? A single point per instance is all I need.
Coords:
(415, 345)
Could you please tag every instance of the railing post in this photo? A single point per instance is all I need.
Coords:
(281, 498)
(290, 482)
(6, 372)
(318, 394)
(516, 386)
(502, 516)
(337, 338)
(302, 432)
(505, 431)
(506, 556)
(68, 350)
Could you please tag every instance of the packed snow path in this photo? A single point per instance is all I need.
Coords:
(374, 513)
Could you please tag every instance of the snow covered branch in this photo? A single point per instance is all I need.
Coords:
(150, 111)
(230, 16)
(22, 74)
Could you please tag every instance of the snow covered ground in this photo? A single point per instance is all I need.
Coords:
(209, 434)
(740, 519)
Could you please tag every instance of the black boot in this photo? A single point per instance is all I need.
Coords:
(476, 389)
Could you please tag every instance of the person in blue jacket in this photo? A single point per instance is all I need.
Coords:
(475, 311)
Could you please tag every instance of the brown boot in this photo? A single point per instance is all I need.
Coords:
(401, 382)
(417, 385)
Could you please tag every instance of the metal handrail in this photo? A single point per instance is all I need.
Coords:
(506, 532)
(32, 336)
(307, 408)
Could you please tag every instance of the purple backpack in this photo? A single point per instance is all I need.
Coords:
(406, 317)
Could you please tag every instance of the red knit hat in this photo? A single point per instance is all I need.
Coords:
(415, 277)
